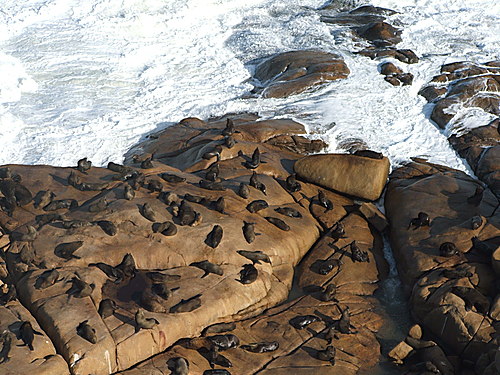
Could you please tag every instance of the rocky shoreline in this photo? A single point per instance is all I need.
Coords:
(184, 257)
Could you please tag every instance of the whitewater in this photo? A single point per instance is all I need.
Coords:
(91, 79)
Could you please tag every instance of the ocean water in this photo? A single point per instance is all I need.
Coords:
(91, 78)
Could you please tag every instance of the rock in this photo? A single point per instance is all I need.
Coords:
(399, 353)
(359, 176)
(404, 55)
(495, 308)
(432, 92)
(389, 68)
(415, 332)
(495, 261)
(292, 72)
(380, 33)
(374, 216)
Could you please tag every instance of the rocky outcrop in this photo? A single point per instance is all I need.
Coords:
(293, 72)
(444, 233)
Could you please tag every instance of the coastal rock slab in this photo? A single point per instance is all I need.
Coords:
(358, 176)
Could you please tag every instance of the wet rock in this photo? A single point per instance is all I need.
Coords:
(380, 33)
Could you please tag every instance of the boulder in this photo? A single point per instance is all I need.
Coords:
(380, 33)
(358, 176)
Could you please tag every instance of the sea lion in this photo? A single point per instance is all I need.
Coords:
(127, 266)
(214, 237)
(328, 265)
(167, 228)
(66, 250)
(249, 231)
(224, 342)
(219, 205)
(229, 141)
(43, 198)
(257, 205)
(255, 161)
(278, 223)
(230, 129)
(248, 274)
(472, 298)
(98, 206)
(243, 191)
(107, 226)
(142, 322)
(357, 255)
(421, 220)
(288, 211)
(211, 185)
(291, 184)
(107, 308)
(476, 222)
(80, 289)
(212, 173)
(302, 321)
(86, 331)
(324, 201)
(187, 305)
(208, 268)
(476, 199)
(84, 165)
(158, 277)
(255, 256)
(254, 182)
(6, 341)
(178, 366)
(327, 355)
(128, 192)
(60, 204)
(219, 328)
(329, 293)
(27, 334)
(172, 178)
(448, 249)
(261, 347)
(47, 279)
(148, 212)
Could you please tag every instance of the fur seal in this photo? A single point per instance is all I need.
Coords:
(448, 249)
(195, 199)
(158, 277)
(288, 211)
(329, 293)
(261, 347)
(328, 265)
(291, 184)
(278, 223)
(214, 237)
(43, 198)
(248, 274)
(66, 250)
(215, 358)
(357, 255)
(152, 302)
(86, 331)
(30, 236)
(255, 161)
(472, 298)
(230, 129)
(84, 165)
(243, 191)
(224, 342)
(255, 256)
(324, 201)
(80, 289)
(211, 185)
(216, 372)
(302, 321)
(257, 205)
(456, 273)
(161, 290)
(216, 151)
(72, 224)
(128, 192)
(482, 246)
(109, 271)
(338, 231)
(60, 204)
(107, 308)
(167, 228)
(229, 141)
(148, 212)
(172, 178)
(212, 173)
(344, 323)
(27, 334)
(8, 296)
(249, 231)
(421, 220)
(208, 267)
(147, 163)
(219, 205)
(219, 328)
(15, 192)
(476, 199)
(178, 366)
(476, 222)
(142, 322)
(47, 279)
(154, 186)
(118, 168)
(327, 355)
(186, 214)
(41, 220)
(6, 341)
(107, 226)
(254, 182)
(127, 266)
(5, 172)
(187, 305)
(369, 154)
(100, 205)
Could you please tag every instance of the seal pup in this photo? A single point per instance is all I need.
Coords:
(291, 184)
(41, 220)
(261, 347)
(214, 237)
(84, 165)
(148, 212)
(43, 198)
(215, 358)
(248, 274)
(357, 255)
(278, 223)
(448, 249)
(255, 161)
(328, 265)
(86, 331)
(249, 231)
(476, 222)
(477, 197)
(369, 154)
(107, 308)
(6, 341)
(66, 250)
(167, 228)
(421, 220)
(254, 182)
(5, 173)
(187, 305)
(27, 334)
(172, 178)
(219, 205)
(212, 173)
(47, 279)
(302, 321)
(324, 201)
(178, 366)
(73, 179)
(141, 322)
(107, 226)
(208, 268)
(255, 256)
(243, 191)
(327, 355)
(257, 205)
(337, 232)
(288, 211)
(100, 205)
